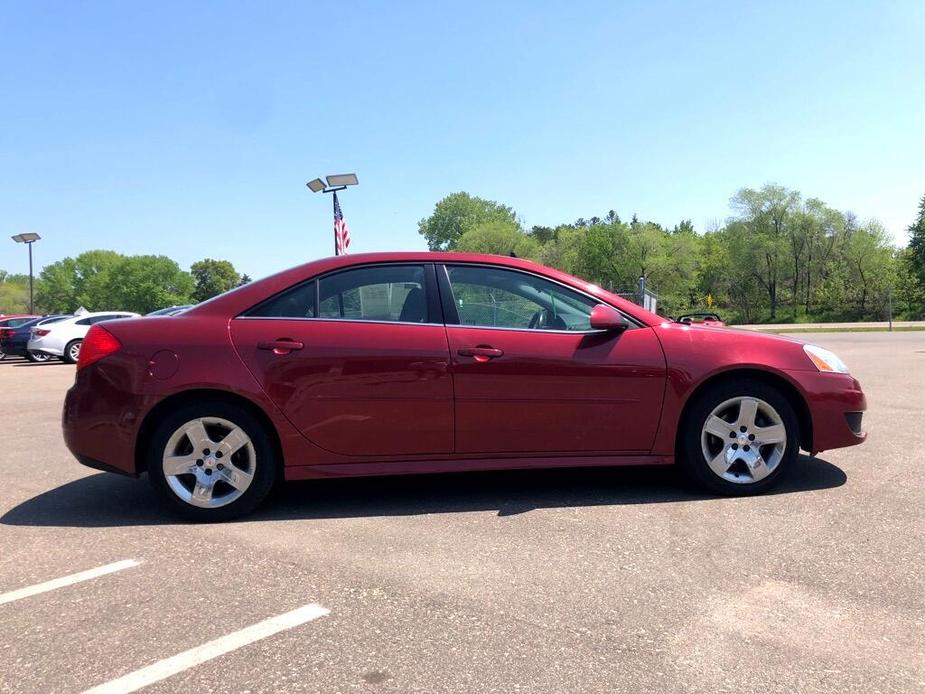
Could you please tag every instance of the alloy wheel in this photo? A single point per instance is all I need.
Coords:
(74, 351)
(209, 462)
(743, 440)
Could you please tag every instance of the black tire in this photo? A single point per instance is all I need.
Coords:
(691, 456)
(38, 357)
(2, 355)
(266, 464)
(67, 351)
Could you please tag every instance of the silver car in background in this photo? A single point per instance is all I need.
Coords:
(63, 338)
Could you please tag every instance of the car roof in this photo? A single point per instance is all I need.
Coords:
(241, 298)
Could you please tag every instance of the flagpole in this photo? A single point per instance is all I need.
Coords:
(334, 218)
(335, 183)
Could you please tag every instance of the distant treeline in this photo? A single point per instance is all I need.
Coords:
(780, 257)
(106, 280)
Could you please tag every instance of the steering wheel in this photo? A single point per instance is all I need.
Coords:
(538, 320)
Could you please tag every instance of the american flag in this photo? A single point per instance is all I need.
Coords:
(341, 230)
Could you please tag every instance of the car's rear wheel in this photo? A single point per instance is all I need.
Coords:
(37, 357)
(739, 438)
(72, 351)
(211, 461)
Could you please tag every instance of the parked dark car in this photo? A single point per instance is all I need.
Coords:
(395, 363)
(9, 322)
(14, 341)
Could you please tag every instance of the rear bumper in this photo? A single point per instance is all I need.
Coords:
(836, 406)
(100, 422)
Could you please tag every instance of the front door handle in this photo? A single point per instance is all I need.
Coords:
(281, 346)
(480, 354)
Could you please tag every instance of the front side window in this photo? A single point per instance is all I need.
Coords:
(380, 293)
(498, 298)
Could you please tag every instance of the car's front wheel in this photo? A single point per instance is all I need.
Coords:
(739, 438)
(37, 357)
(211, 461)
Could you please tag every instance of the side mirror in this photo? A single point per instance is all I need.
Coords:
(604, 317)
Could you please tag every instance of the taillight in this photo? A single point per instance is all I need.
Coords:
(98, 344)
(40, 332)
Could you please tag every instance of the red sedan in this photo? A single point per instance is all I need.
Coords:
(436, 362)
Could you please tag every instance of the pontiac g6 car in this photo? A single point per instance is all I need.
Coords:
(402, 363)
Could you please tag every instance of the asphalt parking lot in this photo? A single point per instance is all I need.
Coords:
(575, 580)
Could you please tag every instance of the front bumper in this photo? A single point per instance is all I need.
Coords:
(836, 405)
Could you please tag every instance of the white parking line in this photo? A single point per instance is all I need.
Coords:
(29, 591)
(207, 651)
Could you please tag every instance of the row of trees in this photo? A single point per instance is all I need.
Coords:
(104, 280)
(779, 257)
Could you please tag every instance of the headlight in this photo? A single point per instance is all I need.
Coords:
(825, 360)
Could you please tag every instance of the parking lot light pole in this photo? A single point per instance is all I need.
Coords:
(28, 239)
(335, 182)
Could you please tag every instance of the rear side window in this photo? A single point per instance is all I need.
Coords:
(297, 302)
(380, 293)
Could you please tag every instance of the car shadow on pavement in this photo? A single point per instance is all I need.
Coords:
(20, 363)
(107, 500)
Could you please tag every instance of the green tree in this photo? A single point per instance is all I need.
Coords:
(909, 297)
(82, 281)
(599, 254)
(144, 283)
(213, 277)
(870, 269)
(768, 215)
(14, 293)
(458, 213)
(915, 259)
(103, 280)
(500, 238)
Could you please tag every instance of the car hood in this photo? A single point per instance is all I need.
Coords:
(722, 347)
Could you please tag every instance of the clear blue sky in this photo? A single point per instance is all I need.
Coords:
(188, 129)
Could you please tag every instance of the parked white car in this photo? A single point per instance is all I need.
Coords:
(63, 339)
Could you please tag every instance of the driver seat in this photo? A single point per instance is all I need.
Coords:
(414, 310)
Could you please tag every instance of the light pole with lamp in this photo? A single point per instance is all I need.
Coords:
(335, 182)
(28, 239)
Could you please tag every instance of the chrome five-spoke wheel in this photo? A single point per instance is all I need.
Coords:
(739, 436)
(743, 440)
(209, 462)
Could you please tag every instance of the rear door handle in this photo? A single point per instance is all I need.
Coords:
(282, 346)
(480, 354)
